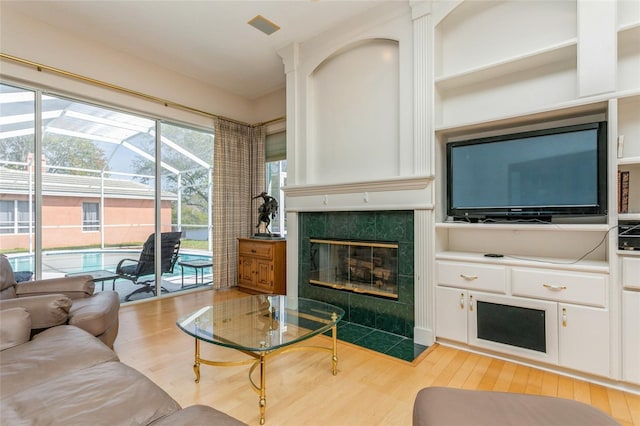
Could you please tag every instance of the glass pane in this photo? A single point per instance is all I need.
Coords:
(355, 266)
(99, 194)
(17, 147)
(187, 175)
(276, 179)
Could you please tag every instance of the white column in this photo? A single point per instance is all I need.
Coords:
(290, 58)
(424, 164)
(292, 254)
(423, 294)
(422, 79)
(597, 47)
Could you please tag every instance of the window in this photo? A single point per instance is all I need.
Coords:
(105, 166)
(90, 217)
(276, 168)
(7, 217)
(14, 217)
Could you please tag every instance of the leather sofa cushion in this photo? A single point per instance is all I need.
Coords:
(55, 352)
(73, 287)
(7, 280)
(110, 394)
(15, 327)
(198, 415)
(46, 310)
(95, 314)
(439, 406)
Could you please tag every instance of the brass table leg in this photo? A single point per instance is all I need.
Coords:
(196, 364)
(334, 337)
(263, 390)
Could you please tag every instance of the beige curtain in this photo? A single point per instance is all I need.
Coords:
(238, 176)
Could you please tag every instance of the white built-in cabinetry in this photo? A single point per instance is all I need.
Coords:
(571, 301)
(631, 324)
(501, 67)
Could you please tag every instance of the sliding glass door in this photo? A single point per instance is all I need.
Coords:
(106, 181)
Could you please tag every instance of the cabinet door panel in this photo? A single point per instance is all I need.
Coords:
(631, 273)
(451, 314)
(245, 271)
(631, 336)
(584, 338)
(264, 274)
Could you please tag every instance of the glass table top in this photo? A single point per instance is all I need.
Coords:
(261, 322)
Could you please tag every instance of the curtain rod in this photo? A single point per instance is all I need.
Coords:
(165, 102)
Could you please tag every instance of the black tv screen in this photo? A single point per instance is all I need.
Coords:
(544, 173)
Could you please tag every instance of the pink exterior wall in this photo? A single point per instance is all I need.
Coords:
(126, 221)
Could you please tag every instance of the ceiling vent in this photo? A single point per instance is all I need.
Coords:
(263, 24)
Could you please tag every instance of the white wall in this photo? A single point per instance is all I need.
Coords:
(39, 42)
(350, 101)
(353, 114)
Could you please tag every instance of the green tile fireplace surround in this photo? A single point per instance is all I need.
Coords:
(391, 316)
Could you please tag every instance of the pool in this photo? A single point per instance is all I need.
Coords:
(59, 263)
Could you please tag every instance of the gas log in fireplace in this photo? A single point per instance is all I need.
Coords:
(368, 267)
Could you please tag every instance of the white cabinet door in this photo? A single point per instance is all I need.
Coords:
(631, 273)
(584, 339)
(451, 314)
(631, 336)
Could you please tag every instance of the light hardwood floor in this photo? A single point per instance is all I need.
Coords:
(370, 388)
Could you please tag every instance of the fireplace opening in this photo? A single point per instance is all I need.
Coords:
(367, 267)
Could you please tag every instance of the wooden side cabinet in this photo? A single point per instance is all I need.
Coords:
(262, 266)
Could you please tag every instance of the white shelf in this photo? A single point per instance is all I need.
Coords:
(628, 161)
(630, 253)
(598, 266)
(628, 216)
(629, 27)
(519, 226)
(583, 106)
(551, 54)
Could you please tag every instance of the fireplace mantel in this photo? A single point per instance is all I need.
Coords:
(404, 183)
(401, 193)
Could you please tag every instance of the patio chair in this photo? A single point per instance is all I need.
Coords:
(136, 270)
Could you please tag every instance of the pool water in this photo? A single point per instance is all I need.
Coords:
(61, 263)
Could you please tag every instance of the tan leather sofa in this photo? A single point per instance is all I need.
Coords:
(441, 406)
(66, 376)
(62, 301)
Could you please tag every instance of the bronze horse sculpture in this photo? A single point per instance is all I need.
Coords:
(267, 210)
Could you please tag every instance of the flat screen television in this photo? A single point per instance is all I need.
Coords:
(537, 175)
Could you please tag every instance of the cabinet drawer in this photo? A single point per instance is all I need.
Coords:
(252, 249)
(570, 287)
(490, 278)
(631, 273)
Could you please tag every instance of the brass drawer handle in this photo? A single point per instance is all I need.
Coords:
(555, 287)
(468, 277)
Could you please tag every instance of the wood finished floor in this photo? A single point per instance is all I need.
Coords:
(370, 388)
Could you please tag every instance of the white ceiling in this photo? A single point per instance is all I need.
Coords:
(206, 40)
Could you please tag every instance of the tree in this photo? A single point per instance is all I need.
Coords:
(65, 151)
(16, 149)
(58, 150)
(194, 178)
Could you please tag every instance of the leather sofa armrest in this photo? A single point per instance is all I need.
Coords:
(46, 310)
(15, 327)
(198, 414)
(76, 287)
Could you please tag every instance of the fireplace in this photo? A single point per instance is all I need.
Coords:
(372, 302)
(366, 267)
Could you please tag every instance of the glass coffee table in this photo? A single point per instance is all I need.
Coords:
(261, 326)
